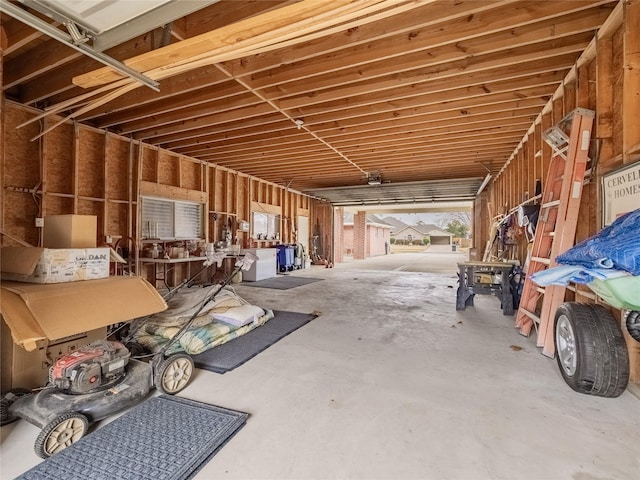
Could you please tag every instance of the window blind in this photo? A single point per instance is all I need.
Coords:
(170, 219)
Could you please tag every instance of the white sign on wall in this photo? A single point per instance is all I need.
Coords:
(621, 192)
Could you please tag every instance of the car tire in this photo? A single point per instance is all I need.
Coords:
(590, 350)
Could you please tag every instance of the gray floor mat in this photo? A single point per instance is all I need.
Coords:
(234, 353)
(163, 438)
(282, 282)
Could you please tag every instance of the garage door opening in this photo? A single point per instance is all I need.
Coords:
(366, 234)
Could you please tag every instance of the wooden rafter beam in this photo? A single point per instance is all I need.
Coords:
(247, 143)
(435, 100)
(446, 18)
(443, 90)
(387, 86)
(296, 138)
(439, 45)
(381, 160)
(276, 26)
(187, 100)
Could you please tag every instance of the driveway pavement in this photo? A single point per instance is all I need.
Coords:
(434, 259)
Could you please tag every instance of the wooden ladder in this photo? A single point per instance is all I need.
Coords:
(557, 220)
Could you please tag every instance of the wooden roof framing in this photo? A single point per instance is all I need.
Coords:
(417, 90)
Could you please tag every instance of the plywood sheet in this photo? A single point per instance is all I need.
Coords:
(57, 205)
(168, 168)
(190, 174)
(17, 144)
(149, 164)
(117, 219)
(216, 190)
(117, 164)
(20, 212)
(59, 145)
(91, 164)
(90, 207)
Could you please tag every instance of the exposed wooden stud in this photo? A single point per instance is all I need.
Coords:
(42, 157)
(582, 90)
(613, 22)
(130, 177)
(105, 188)
(2, 145)
(631, 78)
(206, 187)
(604, 107)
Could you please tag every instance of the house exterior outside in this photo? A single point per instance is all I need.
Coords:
(437, 236)
(409, 234)
(377, 236)
(402, 231)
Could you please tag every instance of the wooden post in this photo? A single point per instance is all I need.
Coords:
(3, 44)
(43, 180)
(105, 186)
(631, 81)
(582, 90)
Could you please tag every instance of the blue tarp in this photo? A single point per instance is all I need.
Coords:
(564, 274)
(616, 246)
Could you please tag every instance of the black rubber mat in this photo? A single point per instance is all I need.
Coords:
(234, 353)
(282, 282)
(163, 438)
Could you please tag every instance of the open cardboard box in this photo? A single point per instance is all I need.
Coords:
(35, 312)
(43, 322)
(22, 369)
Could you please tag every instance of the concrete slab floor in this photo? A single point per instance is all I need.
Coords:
(390, 382)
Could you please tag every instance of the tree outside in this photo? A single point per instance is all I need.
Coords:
(457, 228)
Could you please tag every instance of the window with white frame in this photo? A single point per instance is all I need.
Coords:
(165, 219)
(265, 226)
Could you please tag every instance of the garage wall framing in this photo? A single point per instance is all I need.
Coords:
(77, 169)
(604, 79)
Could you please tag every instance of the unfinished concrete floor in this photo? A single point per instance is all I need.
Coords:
(390, 382)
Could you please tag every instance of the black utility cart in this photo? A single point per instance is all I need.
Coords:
(486, 278)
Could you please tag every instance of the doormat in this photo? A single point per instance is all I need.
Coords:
(282, 282)
(234, 353)
(163, 438)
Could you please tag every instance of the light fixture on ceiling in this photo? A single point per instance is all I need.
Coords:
(374, 178)
(299, 122)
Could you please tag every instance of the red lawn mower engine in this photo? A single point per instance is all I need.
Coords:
(90, 368)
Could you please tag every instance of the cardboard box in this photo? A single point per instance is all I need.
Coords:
(22, 369)
(44, 265)
(52, 312)
(70, 231)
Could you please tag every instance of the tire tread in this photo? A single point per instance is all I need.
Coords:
(602, 366)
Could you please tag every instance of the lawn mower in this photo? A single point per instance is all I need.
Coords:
(100, 379)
